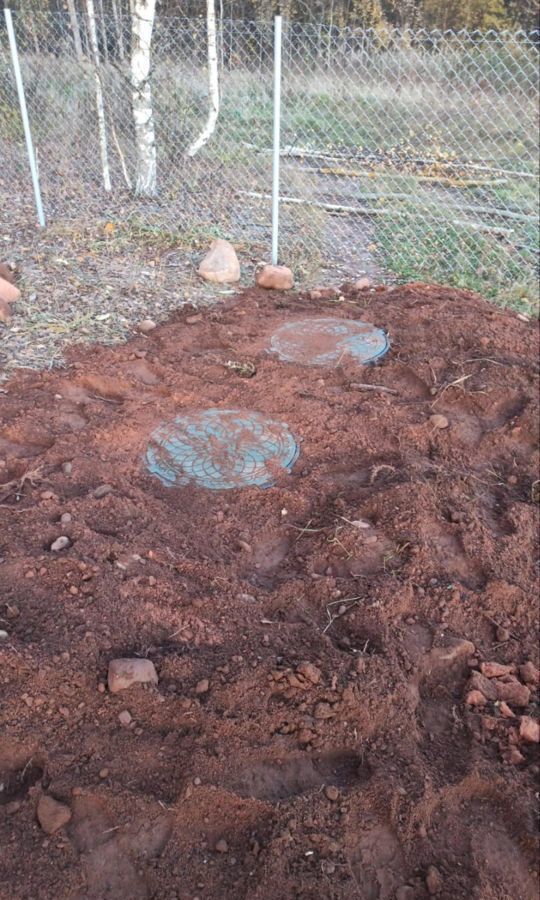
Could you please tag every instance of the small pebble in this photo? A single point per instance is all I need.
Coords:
(61, 543)
(12, 807)
(203, 686)
(439, 421)
(67, 468)
(434, 880)
(405, 892)
(197, 781)
(103, 773)
(146, 326)
(65, 518)
(3, 635)
(331, 792)
(222, 846)
(102, 491)
(52, 815)
(125, 717)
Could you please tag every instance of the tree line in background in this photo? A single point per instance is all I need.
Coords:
(434, 14)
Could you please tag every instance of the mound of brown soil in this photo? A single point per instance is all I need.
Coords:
(323, 725)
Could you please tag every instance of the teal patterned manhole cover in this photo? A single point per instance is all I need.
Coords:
(328, 342)
(221, 449)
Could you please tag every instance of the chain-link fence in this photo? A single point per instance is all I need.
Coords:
(406, 155)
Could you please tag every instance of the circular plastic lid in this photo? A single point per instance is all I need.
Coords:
(221, 449)
(328, 342)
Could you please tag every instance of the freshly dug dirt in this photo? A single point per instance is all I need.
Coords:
(323, 726)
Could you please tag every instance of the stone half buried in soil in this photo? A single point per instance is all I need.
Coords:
(329, 342)
(221, 449)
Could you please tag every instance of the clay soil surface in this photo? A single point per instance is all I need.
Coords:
(325, 725)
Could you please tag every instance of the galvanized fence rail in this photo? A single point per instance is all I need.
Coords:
(408, 155)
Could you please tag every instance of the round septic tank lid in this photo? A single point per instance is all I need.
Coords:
(329, 341)
(221, 449)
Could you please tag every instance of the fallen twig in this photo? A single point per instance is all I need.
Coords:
(352, 601)
(360, 386)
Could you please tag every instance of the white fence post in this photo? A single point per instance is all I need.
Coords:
(277, 137)
(24, 115)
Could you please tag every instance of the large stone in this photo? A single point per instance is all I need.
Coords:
(5, 312)
(51, 814)
(275, 278)
(8, 292)
(123, 673)
(513, 692)
(220, 263)
(6, 273)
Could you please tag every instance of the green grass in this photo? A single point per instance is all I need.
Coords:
(446, 254)
(476, 105)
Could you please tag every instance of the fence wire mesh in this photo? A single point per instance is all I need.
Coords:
(405, 155)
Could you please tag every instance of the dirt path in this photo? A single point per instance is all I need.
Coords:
(320, 644)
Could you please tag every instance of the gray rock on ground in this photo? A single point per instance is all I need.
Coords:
(123, 673)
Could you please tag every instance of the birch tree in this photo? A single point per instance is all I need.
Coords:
(213, 82)
(103, 149)
(75, 30)
(142, 24)
(119, 28)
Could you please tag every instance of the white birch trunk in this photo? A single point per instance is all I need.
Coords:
(142, 23)
(99, 96)
(213, 82)
(75, 30)
(104, 35)
(119, 28)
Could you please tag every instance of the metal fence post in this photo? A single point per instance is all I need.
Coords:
(277, 137)
(24, 115)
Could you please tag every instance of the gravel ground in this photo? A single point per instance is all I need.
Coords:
(95, 283)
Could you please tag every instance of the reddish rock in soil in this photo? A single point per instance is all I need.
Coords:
(434, 881)
(439, 421)
(505, 711)
(513, 692)
(8, 292)
(202, 687)
(123, 673)
(276, 278)
(529, 730)
(323, 711)
(495, 669)
(514, 757)
(310, 672)
(475, 698)
(479, 682)
(529, 673)
(51, 814)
